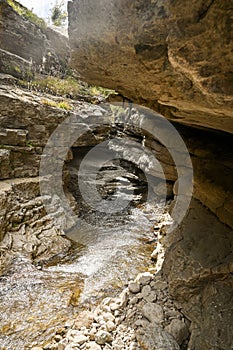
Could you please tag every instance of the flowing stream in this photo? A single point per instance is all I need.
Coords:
(38, 300)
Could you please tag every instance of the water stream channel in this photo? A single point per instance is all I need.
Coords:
(38, 299)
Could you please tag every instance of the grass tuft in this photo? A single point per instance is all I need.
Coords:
(27, 14)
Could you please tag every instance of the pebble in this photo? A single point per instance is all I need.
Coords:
(134, 287)
(103, 337)
(146, 291)
(110, 326)
(93, 346)
(61, 346)
(114, 306)
(124, 297)
(80, 339)
(133, 301)
(133, 346)
(108, 317)
(151, 297)
(144, 278)
(178, 329)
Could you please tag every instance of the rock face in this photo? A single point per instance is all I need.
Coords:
(199, 267)
(27, 46)
(173, 56)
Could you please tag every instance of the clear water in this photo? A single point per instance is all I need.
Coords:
(35, 302)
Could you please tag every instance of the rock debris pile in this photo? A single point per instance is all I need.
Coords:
(142, 317)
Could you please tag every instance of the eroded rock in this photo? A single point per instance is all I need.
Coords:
(158, 53)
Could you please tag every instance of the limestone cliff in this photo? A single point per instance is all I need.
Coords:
(173, 56)
(28, 45)
(176, 57)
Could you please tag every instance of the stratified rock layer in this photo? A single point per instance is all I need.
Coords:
(173, 56)
(27, 46)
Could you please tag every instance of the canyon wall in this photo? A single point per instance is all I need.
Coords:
(175, 57)
(171, 56)
(27, 44)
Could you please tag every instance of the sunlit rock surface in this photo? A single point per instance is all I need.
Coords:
(173, 56)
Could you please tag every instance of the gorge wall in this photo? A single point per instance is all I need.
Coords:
(27, 45)
(172, 56)
(175, 57)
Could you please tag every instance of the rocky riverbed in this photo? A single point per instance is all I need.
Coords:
(143, 316)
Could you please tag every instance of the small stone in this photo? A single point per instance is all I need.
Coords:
(58, 337)
(114, 306)
(69, 347)
(154, 337)
(92, 333)
(103, 337)
(37, 348)
(118, 344)
(93, 346)
(150, 298)
(144, 278)
(61, 346)
(133, 301)
(69, 324)
(54, 347)
(107, 301)
(134, 287)
(80, 339)
(139, 295)
(133, 346)
(124, 297)
(108, 317)
(153, 312)
(110, 326)
(158, 285)
(142, 323)
(146, 291)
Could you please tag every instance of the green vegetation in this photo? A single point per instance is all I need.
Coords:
(17, 69)
(64, 105)
(58, 15)
(66, 87)
(29, 144)
(24, 12)
(60, 104)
